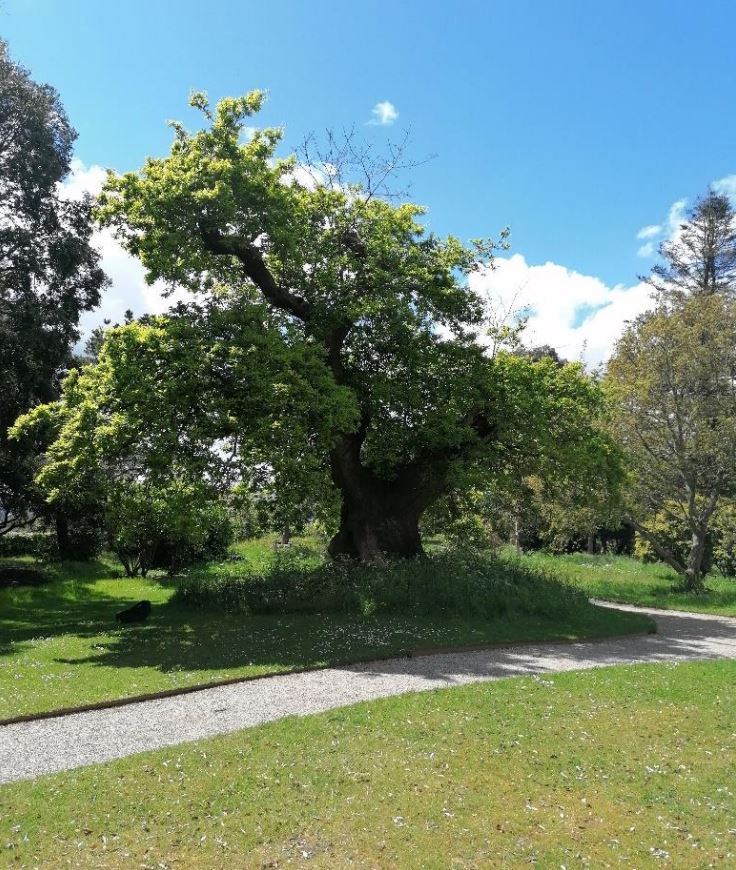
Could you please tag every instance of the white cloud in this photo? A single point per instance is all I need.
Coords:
(675, 217)
(128, 288)
(310, 177)
(668, 229)
(384, 114)
(726, 186)
(579, 315)
(649, 232)
(82, 180)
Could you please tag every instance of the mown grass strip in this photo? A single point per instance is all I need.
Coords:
(626, 766)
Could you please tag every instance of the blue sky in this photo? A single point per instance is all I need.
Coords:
(576, 123)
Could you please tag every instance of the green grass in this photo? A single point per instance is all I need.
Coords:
(628, 581)
(619, 767)
(60, 646)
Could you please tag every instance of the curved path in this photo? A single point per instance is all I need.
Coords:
(30, 749)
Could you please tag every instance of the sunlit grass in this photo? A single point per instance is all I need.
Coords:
(619, 767)
(629, 581)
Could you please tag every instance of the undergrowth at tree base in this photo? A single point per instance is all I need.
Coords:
(450, 583)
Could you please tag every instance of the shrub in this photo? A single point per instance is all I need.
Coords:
(452, 583)
(26, 543)
(724, 534)
(206, 533)
(169, 526)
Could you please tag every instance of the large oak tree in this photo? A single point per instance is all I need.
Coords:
(334, 337)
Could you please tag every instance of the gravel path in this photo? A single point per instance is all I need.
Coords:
(30, 749)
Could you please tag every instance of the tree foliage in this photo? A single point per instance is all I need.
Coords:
(672, 384)
(49, 273)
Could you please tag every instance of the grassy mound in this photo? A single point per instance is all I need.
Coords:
(449, 583)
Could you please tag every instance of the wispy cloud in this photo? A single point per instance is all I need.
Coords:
(384, 114)
(676, 216)
(653, 234)
(726, 186)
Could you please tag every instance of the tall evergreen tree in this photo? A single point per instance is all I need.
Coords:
(49, 272)
(700, 259)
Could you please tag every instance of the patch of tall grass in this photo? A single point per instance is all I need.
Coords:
(448, 583)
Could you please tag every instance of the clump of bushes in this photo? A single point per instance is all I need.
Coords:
(451, 583)
(24, 543)
(22, 575)
(724, 539)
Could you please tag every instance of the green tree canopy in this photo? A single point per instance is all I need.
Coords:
(671, 383)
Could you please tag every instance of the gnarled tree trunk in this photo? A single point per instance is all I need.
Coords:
(373, 528)
(379, 518)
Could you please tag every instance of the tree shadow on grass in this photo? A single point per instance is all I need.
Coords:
(178, 638)
(63, 607)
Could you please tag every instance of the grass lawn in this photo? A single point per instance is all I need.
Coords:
(626, 580)
(618, 767)
(60, 646)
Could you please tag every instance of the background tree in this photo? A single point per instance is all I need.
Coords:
(49, 273)
(351, 279)
(672, 381)
(673, 384)
(156, 433)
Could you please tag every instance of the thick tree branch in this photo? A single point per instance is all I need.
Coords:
(334, 343)
(424, 479)
(256, 269)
